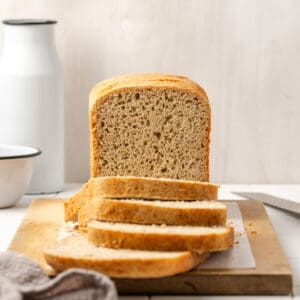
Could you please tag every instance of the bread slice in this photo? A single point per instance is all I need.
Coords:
(149, 125)
(75, 202)
(201, 213)
(76, 252)
(140, 188)
(160, 238)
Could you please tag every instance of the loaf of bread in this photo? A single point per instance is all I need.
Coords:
(139, 188)
(76, 252)
(148, 210)
(149, 125)
(196, 213)
(160, 238)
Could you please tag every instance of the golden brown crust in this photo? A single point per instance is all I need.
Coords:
(141, 188)
(140, 212)
(130, 81)
(104, 89)
(152, 188)
(129, 269)
(118, 265)
(75, 202)
(114, 238)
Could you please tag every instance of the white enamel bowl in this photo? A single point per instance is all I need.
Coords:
(16, 168)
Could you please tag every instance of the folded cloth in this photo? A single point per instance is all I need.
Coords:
(21, 278)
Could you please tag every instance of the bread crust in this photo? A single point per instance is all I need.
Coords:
(75, 202)
(121, 267)
(115, 238)
(152, 188)
(103, 90)
(140, 212)
(139, 188)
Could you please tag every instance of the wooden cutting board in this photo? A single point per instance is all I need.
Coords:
(272, 275)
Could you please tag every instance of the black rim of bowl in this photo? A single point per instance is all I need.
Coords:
(28, 22)
(36, 153)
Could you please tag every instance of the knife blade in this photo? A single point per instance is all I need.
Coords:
(285, 204)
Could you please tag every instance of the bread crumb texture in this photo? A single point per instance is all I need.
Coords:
(150, 126)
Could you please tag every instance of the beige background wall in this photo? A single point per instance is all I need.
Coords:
(245, 53)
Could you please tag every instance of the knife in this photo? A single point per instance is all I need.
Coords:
(285, 204)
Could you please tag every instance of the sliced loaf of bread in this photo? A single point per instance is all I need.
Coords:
(160, 238)
(199, 213)
(139, 188)
(149, 125)
(76, 252)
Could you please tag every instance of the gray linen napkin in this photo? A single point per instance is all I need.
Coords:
(21, 278)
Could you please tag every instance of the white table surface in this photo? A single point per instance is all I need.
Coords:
(286, 225)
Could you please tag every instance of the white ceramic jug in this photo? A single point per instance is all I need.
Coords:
(31, 98)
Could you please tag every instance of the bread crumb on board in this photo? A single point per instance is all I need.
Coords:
(67, 230)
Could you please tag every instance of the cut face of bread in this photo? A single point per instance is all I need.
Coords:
(76, 252)
(150, 125)
(139, 187)
(161, 238)
(201, 213)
